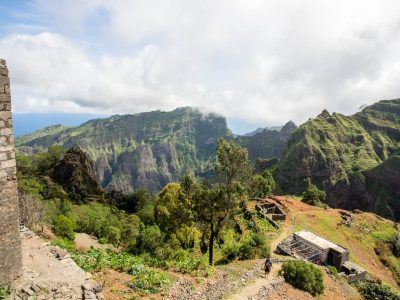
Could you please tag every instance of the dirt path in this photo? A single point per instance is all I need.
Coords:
(45, 276)
(252, 289)
(255, 286)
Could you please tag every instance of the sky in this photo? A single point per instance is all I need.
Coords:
(257, 62)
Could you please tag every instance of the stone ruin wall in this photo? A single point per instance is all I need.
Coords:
(10, 242)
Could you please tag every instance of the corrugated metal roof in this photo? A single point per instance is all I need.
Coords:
(319, 241)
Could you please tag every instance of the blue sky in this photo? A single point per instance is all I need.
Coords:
(259, 63)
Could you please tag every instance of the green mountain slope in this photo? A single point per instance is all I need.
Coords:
(141, 150)
(344, 155)
(153, 148)
(267, 143)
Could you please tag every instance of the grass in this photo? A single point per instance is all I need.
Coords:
(4, 292)
(359, 238)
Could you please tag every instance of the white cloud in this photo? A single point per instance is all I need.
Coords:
(262, 61)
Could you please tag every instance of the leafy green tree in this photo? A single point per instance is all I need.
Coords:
(213, 205)
(130, 231)
(172, 208)
(151, 238)
(262, 185)
(143, 202)
(313, 195)
(46, 161)
(65, 227)
(114, 235)
(185, 236)
(304, 276)
(30, 186)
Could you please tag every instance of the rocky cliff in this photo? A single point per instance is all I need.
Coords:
(267, 143)
(142, 150)
(353, 158)
(76, 175)
(153, 148)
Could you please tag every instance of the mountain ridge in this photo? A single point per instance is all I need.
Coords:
(337, 152)
(147, 149)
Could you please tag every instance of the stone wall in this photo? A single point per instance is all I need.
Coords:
(10, 243)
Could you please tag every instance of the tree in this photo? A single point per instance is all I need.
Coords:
(213, 205)
(172, 209)
(151, 238)
(313, 195)
(130, 231)
(114, 235)
(262, 185)
(65, 227)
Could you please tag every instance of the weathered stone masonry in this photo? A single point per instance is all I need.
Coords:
(10, 243)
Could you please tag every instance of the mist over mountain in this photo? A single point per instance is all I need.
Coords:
(353, 158)
(151, 149)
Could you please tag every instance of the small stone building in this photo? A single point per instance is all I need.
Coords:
(320, 248)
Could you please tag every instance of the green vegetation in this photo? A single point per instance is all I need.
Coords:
(160, 146)
(145, 279)
(262, 185)
(371, 290)
(304, 276)
(4, 292)
(386, 249)
(314, 196)
(65, 227)
(149, 281)
(353, 158)
(177, 229)
(333, 271)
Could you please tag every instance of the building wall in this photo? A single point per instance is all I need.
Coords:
(324, 253)
(10, 243)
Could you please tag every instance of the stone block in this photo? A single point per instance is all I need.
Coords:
(5, 115)
(6, 131)
(3, 156)
(4, 97)
(10, 163)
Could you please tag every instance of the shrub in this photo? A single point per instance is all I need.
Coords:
(304, 276)
(396, 244)
(114, 235)
(333, 271)
(185, 262)
(64, 244)
(230, 251)
(247, 249)
(374, 290)
(65, 227)
(149, 281)
(314, 196)
(98, 260)
(262, 185)
(4, 292)
(151, 238)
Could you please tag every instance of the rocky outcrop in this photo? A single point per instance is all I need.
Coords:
(76, 175)
(268, 143)
(50, 273)
(154, 148)
(142, 150)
